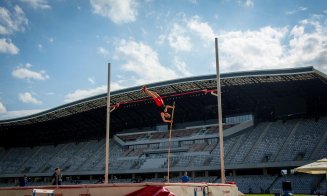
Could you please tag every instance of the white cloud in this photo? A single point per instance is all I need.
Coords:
(252, 49)
(181, 67)
(51, 39)
(308, 44)
(7, 47)
(178, 39)
(27, 97)
(40, 46)
(38, 4)
(143, 61)
(184, 35)
(268, 47)
(2, 108)
(298, 9)
(203, 29)
(12, 21)
(161, 39)
(103, 51)
(246, 3)
(19, 113)
(116, 85)
(28, 65)
(193, 1)
(122, 11)
(81, 94)
(91, 80)
(25, 73)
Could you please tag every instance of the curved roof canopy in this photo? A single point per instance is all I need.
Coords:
(263, 93)
(171, 87)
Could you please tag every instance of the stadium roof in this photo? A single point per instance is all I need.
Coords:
(173, 87)
(281, 92)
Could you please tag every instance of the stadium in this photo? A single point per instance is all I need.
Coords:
(273, 122)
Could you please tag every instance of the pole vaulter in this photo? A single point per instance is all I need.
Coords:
(163, 109)
(165, 116)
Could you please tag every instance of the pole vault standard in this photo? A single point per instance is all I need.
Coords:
(106, 181)
(169, 140)
(171, 124)
(220, 121)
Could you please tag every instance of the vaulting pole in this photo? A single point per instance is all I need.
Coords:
(220, 121)
(107, 128)
(169, 140)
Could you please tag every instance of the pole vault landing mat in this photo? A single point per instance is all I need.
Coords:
(129, 189)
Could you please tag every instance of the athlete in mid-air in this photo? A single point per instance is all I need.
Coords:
(165, 116)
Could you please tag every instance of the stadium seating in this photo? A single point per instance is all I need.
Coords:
(308, 133)
(249, 140)
(252, 183)
(43, 156)
(153, 163)
(82, 155)
(15, 158)
(321, 187)
(191, 148)
(302, 183)
(272, 141)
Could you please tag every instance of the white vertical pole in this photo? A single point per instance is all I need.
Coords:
(107, 128)
(220, 119)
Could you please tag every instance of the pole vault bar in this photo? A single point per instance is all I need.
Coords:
(166, 96)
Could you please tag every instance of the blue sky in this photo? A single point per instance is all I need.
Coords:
(55, 52)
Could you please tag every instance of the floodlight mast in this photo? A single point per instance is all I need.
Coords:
(106, 181)
(220, 121)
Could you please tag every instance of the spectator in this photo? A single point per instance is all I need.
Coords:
(100, 181)
(23, 181)
(57, 177)
(165, 179)
(185, 178)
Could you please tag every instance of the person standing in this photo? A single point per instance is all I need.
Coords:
(57, 177)
(23, 181)
(185, 178)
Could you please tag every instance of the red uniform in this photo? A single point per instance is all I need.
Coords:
(159, 103)
(158, 100)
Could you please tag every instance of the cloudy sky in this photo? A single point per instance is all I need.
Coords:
(55, 52)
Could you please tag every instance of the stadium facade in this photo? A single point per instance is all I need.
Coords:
(274, 120)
